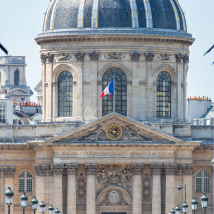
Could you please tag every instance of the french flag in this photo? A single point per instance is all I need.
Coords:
(109, 89)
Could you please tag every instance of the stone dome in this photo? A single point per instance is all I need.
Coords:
(115, 15)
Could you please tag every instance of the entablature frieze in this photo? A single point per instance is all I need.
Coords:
(7, 171)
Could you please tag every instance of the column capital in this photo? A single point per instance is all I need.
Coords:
(90, 169)
(187, 169)
(58, 168)
(43, 170)
(137, 169)
(71, 169)
(43, 58)
(170, 169)
(156, 169)
(8, 171)
(149, 56)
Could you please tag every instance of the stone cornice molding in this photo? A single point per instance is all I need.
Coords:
(91, 169)
(71, 169)
(137, 169)
(7, 171)
(58, 169)
(170, 169)
(156, 169)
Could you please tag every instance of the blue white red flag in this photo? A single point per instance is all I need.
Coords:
(109, 89)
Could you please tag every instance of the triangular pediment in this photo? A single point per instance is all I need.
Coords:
(130, 131)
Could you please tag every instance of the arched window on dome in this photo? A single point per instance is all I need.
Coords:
(202, 181)
(163, 104)
(25, 182)
(120, 92)
(65, 94)
(16, 78)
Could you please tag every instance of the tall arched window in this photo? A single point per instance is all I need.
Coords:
(25, 182)
(16, 77)
(65, 94)
(202, 181)
(120, 92)
(163, 94)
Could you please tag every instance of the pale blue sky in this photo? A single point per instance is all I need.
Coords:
(22, 20)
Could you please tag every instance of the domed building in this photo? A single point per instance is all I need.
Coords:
(124, 153)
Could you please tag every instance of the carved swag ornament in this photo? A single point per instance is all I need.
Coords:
(114, 175)
(81, 188)
(114, 56)
(63, 57)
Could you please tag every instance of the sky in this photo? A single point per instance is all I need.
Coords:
(21, 21)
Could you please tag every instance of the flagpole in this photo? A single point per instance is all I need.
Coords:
(114, 97)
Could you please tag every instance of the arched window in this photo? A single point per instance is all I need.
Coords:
(65, 94)
(120, 92)
(25, 182)
(16, 77)
(202, 181)
(163, 95)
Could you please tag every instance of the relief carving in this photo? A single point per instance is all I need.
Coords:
(50, 57)
(64, 57)
(71, 169)
(43, 58)
(170, 169)
(113, 198)
(165, 57)
(81, 188)
(179, 57)
(9, 171)
(114, 56)
(114, 175)
(156, 169)
(135, 55)
(79, 55)
(58, 169)
(149, 56)
(94, 55)
(146, 187)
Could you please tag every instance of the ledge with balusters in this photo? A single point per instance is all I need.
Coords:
(9, 200)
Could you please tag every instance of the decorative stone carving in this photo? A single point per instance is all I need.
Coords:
(185, 58)
(79, 55)
(113, 198)
(90, 169)
(187, 169)
(114, 56)
(63, 57)
(149, 56)
(94, 55)
(9, 171)
(98, 134)
(164, 57)
(50, 57)
(114, 175)
(81, 188)
(43, 58)
(43, 170)
(132, 135)
(156, 169)
(137, 169)
(146, 187)
(58, 169)
(170, 169)
(71, 169)
(135, 55)
(178, 57)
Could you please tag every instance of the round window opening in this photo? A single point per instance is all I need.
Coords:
(113, 197)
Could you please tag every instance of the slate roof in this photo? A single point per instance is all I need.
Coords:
(209, 114)
(126, 14)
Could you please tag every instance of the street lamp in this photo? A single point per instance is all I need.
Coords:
(172, 211)
(24, 199)
(51, 210)
(194, 204)
(177, 210)
(185, 207)
(204, 201)
(9, 198)
(179, 187)
(57, 211)
(42, 207)
(34, 204)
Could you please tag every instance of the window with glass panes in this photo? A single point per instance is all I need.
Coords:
(202, 182)
(120, 89)
(25, 182)
(2, 113)
(163, 95)
(65, 94)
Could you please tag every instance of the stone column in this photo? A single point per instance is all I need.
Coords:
(185, 64)
(156, 188)
(170, 183)
(57, 199)
(137, 188)
(43, 60)
(187, 179)
(48, 184)
(71, 192)
(9, 173)
(90, 192)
